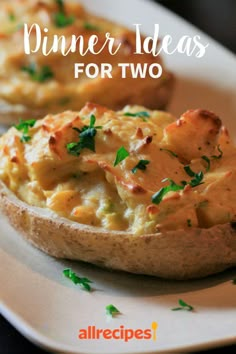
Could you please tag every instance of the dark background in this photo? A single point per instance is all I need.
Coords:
(216, 18)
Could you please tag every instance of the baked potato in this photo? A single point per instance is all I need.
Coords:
(134, 190)
(35, 85)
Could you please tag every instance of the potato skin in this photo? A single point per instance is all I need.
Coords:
(174, 254)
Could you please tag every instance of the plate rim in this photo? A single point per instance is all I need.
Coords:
(45, 343)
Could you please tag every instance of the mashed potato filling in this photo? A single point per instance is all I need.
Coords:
(134, 170)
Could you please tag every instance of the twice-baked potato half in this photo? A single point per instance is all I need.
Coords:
(35, 85)
(133, 190)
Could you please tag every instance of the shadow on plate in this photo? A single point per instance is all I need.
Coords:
(122, 283)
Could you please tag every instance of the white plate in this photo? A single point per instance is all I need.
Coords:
(49, 310)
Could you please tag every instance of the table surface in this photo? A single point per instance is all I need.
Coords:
(216, 18)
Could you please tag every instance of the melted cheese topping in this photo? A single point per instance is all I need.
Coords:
(62, 91)
(89, 189)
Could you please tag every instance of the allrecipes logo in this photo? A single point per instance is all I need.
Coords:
(121, 333)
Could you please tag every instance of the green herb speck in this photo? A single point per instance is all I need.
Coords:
(218, 157)
(207, 160)
(41, 75)
(170, 152)
(83, 282)
(61, 20)
(183, 306)
(143, 115)
(86, 138)
(24, 126)
(189, 223)
(121, 155)
(90, 27)
(141, 165)
(172, 187)
(11, 17)
(111, 310)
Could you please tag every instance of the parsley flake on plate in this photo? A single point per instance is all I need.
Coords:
(111, 310)
(183, 306)
(121, 155)
(83, 282)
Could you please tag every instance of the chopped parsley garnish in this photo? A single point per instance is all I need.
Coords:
(205, 158)
(142, 115)
(142, 165)
(197, 180)
(25, 138)
(183, 306)
(173, 187)
(111, 310)
(220, 155)
(60, 4)
(87, 138)
(189, 223)
(215, 157)
(83, 282)
(60, 18)
(90, 27)
(170, 152)
(197, 177)
(121, 155)
(24, 126)
(11, 16)
(189, 171)
(41, 75)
